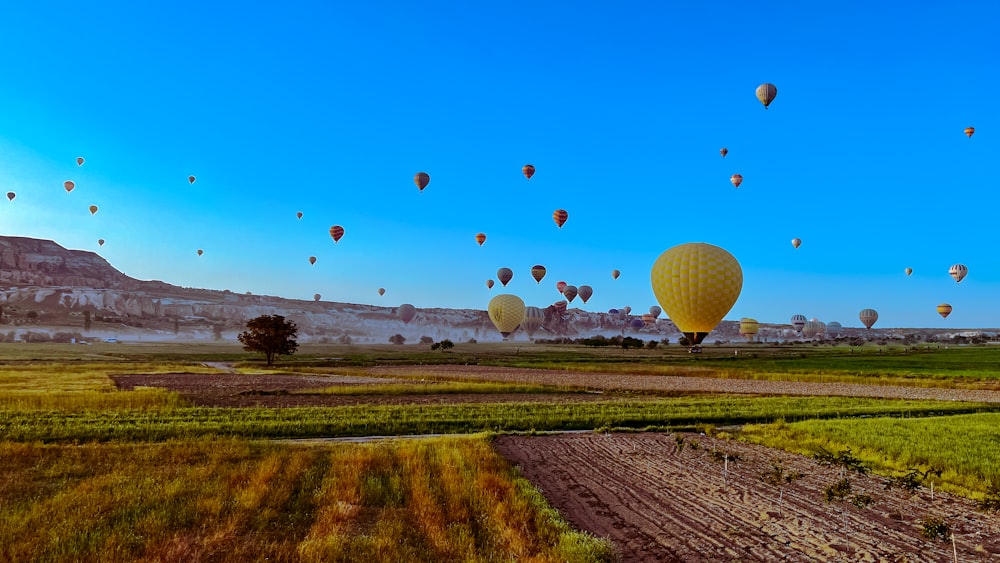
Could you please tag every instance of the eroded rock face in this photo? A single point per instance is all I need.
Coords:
(27, 261)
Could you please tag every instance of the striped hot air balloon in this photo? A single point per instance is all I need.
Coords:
(868, 317)
(766, 93)
(560, 216)
(336, 232)
(958, 272)
(421, 179)
(944, 310)
(528, 171)
(538, 272)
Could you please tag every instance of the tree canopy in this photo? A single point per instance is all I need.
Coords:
(270, 335)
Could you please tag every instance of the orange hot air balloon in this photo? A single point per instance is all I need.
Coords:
(336, 232)
(312, 259)
(200, 252)
(560, 216)
(79, 161)
(969, 131)
(796, 242)
(93, 209)
(944, 310)
(505, 275)
(191, 179)
(69, 185)
(737, 179)
(615, 273)
(298, 215)
(481, 238)
(100, 242)
(11, 196)
(489, 284)
(723, 151)
(528, 171)
(381, 291)
(560, 286)
(766, 93)
(538, 272)
(421, 179)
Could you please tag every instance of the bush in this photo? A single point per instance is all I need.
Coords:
(397, 339)
(426, 340)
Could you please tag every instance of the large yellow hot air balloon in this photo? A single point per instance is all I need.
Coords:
(560, 216)
(766, 93)
(406, 312)
(481, 238)
(958, 272)
(505, 275)
(736, 179)
(538, 272)
(696, 284)
(969, 131)
(336, 232)
(533, 319)
(93, 209)
(868, 317)
(421, 179)
(507, 312)
(749, 327)
(528, 171)
(944, 310)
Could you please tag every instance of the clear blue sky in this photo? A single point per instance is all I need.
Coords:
(330, 108)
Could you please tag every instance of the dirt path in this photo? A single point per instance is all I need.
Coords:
(689, 384)
(658, 502)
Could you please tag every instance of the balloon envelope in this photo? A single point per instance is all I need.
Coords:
(406, 312)
(615, 274)
(69, 185)
(749, 327)
(317, 297)
(766, 93)
(655, 310)
(834, 329)
(908, 271)
(636, 323)
(723, 151)
(191, 179)
(560, 286)
(538, 272)
(93, 209)
(481, 238)
(696, 284)
(868, 317)
(560, 216)
(489, 284)
(381, 291)
(944, 310)
(505, 275)
(533, 319)
(736, 179)
(798, 322)
(421, 179)
(969, 131)
(336, 232)
(200, 252)
(528, 171)
(585, 291)
(811, 329)
(79, 161)
(570, 292)
(796, 242)
(100, 242)
(11, 196)
(958, 272)
(299, 215)
(312, 259)
(507, 312)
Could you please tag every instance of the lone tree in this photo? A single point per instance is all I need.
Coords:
(271, 335)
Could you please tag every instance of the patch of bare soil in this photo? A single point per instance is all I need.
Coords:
(673, 497)
(278, 391)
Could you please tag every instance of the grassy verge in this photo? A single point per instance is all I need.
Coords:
(965, 447)
(234, 501)
(680, 412)
(437, 387)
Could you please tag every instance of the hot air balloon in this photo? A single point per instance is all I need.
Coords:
(560, 216)
(749, 327)
(584, 291)
(737, 179)
(200, 252)
(298, 215)
(421, 179)
(615, 274)
(958, 271)
(505, 275)
(336, 232)
(191, 179)
(481, 238)
(636, 323)
(381, 291)
(810, 329)
(723, 151)
(560, 286)
(69, 185)
(696, 284)
(969, 131)
(944, 310)
(570, 292)
(11, 196)
(868, 317)
(834, 329)
(489, 284)
(627, 310)
(560, 306)
(317, 297)
(79, 161)
(533, 319)
(822, 328)
(507, 312)
(766, 93)
(796, 242)
(406, 312)
(93, 209)
(100, 242)
(908, 271)
(648, 319)
(655, 310)
(312, 260)
(798, 322)
(528, 171)
(538, 272)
